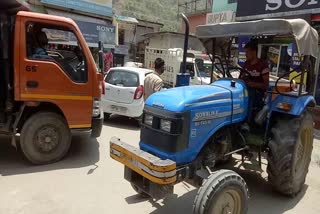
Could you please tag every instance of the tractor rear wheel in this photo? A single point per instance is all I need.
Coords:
(223, 192)
(290, 151)
(45, 138)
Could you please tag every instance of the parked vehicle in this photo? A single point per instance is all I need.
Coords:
(124, 89)
(173, 60)
(133, 64)
(186, 131)
(40, 89)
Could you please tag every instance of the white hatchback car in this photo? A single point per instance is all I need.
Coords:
(124, 89)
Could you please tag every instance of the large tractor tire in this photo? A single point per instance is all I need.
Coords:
(45, 138)
(223, 192)
(290, 151)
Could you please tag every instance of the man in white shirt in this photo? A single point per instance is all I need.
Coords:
(153, 82)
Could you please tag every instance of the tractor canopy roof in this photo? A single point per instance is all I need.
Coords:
(304, 35)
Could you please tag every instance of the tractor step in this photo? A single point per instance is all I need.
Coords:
(254, 140)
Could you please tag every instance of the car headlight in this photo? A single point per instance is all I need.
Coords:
(148, 119)
(165, 125)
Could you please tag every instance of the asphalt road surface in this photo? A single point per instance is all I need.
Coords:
(88, 181)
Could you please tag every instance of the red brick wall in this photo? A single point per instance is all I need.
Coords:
(194, 22)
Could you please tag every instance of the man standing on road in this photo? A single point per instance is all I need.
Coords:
(153, 82)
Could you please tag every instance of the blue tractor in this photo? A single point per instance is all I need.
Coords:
(187, 132)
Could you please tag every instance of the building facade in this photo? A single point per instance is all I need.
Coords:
(222, 11)
(196, 11)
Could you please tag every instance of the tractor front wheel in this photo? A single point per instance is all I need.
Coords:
(290, 151)
(139, 191)
(223, 192)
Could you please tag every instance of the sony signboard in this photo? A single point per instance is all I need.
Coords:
(258, 9)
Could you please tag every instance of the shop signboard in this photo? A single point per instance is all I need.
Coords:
(225, 16)
(93, 33)
(242, 54)
(295, 63)
(249, 9)
(224, 5)
(99, 7)
(122, 50)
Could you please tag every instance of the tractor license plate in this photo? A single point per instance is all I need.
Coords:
(147, 165)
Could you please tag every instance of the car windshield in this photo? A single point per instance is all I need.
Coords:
(123, 78)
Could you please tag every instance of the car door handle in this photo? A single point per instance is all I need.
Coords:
(32, 84)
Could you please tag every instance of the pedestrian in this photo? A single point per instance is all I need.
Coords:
(153, 82)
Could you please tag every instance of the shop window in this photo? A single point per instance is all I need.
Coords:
(278, 59)
(58, 45)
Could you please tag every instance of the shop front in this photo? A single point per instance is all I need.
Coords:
(94, 18)
(125, 50)
(283, 55)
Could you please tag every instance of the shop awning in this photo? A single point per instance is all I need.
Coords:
(129, 20)
(305, 36)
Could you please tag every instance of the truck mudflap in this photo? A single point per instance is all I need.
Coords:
(147, 165)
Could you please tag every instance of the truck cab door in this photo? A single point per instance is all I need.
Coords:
(53, 69)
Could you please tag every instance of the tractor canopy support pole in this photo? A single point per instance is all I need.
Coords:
(213, 58)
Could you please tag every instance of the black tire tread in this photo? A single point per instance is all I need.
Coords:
(31, 125)
(215, 183)
(281, 154)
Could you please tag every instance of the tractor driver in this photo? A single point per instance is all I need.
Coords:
(256, 76)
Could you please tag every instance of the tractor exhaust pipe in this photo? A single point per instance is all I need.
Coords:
(183, 78)
(186, 43)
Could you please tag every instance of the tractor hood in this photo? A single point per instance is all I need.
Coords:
(186, 98)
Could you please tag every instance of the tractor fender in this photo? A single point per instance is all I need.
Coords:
(298, 104)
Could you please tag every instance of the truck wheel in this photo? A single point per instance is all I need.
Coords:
(139, 191)
(290, 152)
(223, 192)
(45, 138)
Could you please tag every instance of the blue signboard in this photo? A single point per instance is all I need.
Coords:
(100, 7)
(242, 54)
(92, 33)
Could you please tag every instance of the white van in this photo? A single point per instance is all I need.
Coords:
(173, 59)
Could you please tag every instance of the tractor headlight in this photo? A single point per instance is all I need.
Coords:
(284, 106)
(165, 125)
(148, 119)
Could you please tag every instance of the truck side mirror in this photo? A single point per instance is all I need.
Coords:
(101, 64)
(199, 63)
(100, 55)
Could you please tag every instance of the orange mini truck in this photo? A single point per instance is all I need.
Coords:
(49, 89)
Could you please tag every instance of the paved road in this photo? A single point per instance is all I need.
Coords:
(88, 182)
